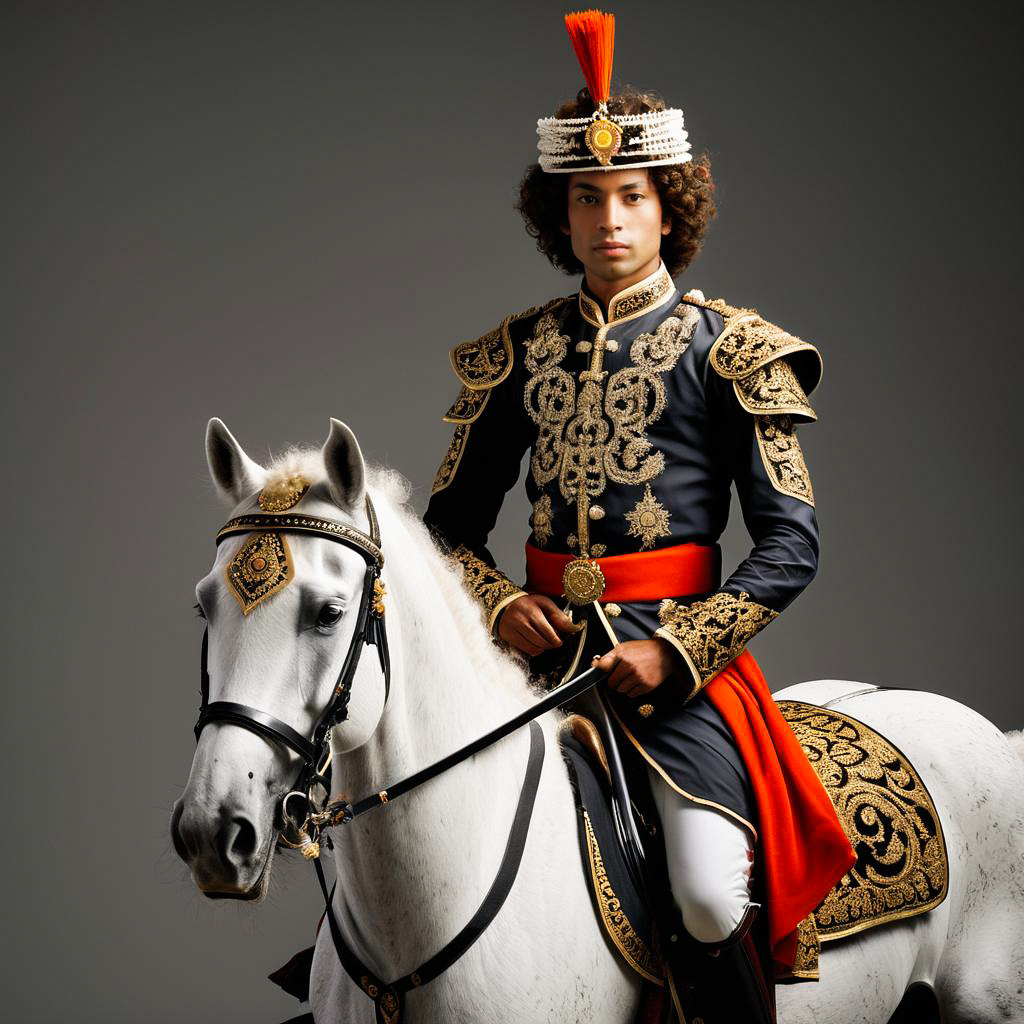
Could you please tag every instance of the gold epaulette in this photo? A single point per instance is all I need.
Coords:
(772, 370)
(486, 362)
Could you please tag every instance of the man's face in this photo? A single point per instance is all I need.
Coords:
(615, 223)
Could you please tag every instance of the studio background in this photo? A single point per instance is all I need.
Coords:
(278, 212)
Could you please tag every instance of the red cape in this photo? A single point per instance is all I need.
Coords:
(804, 849)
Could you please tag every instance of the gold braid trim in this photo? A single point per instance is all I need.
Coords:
(484, 363)
(783, 458)
(710, 633)
(490, 586)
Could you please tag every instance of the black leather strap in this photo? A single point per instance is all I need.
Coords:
(256, 721)
(389, 997)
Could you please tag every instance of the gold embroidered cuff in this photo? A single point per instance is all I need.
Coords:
(490, 586)
(503, 604)
(667, 634)
(710, 633)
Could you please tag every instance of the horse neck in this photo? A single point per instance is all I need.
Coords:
(411, 873)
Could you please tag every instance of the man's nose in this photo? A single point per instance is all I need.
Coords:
(611, 216)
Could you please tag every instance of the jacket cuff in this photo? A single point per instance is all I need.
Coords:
(490, 586)
(711, 633)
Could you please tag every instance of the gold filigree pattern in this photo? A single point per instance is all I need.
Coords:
(773, 388)
(630, 302)
(486, 362)
(490, 586)
(542, 520)
(748, 342)
(648, 520)
(783, 458)
(888, 815)
(261, 568)
(283, 493)
(710, 633)
(467, 406)
(808, 950)
(450, 463)
(627, 940)
(600, 435)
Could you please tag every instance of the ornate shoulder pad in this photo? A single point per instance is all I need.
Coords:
(748, 352)
(486, 362)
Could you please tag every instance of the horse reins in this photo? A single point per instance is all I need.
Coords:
(388, 997)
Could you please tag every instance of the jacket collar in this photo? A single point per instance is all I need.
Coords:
(631, 302)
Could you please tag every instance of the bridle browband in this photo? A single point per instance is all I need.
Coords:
(369, 630)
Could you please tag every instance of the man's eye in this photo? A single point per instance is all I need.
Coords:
(636, 195)
(329, 615)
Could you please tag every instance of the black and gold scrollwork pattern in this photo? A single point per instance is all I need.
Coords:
(774, 388)
(467, 406)
(262, 566)
(616, 924)
(586, 439)
(783, 458)
(902, 867)
(490, 586)
(712, 632)
(487, 361)
(450, 463)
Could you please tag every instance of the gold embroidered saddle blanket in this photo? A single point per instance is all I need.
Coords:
(884, 807)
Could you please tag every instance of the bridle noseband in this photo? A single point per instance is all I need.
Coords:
(369, 630)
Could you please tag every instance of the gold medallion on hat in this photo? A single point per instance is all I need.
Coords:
(604, 139)
(583, 581)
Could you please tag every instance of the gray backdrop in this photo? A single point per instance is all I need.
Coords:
(280, 211)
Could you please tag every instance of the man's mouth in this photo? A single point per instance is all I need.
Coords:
(611, 247)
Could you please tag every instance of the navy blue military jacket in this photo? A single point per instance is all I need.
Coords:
(638, 421)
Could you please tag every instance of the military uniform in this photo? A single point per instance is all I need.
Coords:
(637, 425)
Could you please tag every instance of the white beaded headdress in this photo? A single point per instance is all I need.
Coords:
(606, 141)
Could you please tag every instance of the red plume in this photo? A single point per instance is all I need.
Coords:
(593, 38)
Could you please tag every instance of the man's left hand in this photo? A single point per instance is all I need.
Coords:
(638, 666)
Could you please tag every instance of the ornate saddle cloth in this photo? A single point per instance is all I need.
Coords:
(902, 868)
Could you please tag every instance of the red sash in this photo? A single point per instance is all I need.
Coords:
(804, 847)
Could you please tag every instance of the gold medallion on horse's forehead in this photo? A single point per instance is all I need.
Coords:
(262, 567)
(283, 493)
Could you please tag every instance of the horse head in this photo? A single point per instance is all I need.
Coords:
(286, 607)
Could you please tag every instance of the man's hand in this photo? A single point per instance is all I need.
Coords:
(532, 624)
(638, 666)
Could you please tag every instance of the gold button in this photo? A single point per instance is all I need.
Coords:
(611, 345)
(645, 710)
(613, 611)
(596, 512)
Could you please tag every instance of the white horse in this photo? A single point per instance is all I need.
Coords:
(412, 873)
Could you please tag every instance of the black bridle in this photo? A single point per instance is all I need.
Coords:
(369, 630)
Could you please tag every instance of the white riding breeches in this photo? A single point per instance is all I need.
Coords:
(709, 859)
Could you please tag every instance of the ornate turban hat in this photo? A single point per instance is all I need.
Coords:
(606, 141)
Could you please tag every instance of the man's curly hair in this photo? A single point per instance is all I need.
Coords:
(686, 192)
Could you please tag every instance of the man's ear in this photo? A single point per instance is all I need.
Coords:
(565, 229)
(666, 226)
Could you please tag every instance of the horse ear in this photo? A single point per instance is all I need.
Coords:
(346, 470)
(234, 473)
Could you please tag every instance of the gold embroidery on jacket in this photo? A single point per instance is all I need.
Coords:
(773, 388)
(902, 867)
(450, 463)
(467, 406)
(782, 457)
(488, 585)
(600, 435)
(715, 630)
(808, 949)
(541, 521)
(648, 520)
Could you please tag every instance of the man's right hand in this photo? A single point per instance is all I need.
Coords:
(533, 623)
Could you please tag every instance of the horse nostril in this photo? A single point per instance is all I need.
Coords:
(243, 843)
(184, 849)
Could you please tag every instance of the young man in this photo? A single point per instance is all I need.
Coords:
(640, 406)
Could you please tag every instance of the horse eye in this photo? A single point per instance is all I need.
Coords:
(329, 615)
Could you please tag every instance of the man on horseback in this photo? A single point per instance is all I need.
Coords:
(640, 405)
